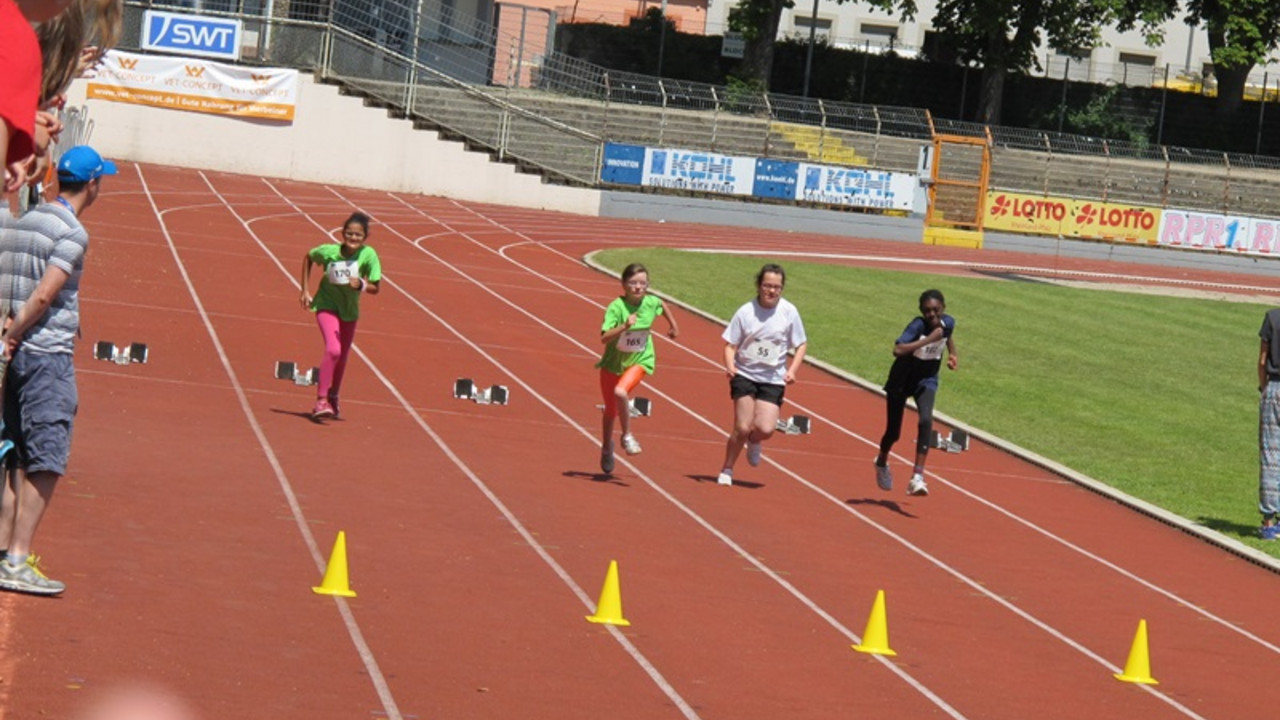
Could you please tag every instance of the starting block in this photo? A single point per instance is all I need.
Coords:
(123, 355)
(794, 425)
(639, 407)
(465, 389)
(957, 441)
(291, 371)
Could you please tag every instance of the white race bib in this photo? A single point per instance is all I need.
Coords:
(633, 341)
(761, 351)
(340, 272)
(932, 351)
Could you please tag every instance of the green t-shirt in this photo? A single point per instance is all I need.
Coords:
(334, 293)
(634, 346)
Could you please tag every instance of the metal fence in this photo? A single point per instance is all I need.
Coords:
(496, 83)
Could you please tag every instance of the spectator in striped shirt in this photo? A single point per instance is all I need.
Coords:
(41, 259)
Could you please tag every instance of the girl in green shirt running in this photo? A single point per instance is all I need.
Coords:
(350, 268)
(628, 355)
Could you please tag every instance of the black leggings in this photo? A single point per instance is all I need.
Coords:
(897, 405)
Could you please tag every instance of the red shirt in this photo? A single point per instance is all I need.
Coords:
(19, 80)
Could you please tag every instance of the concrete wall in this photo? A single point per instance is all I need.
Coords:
(333, 139)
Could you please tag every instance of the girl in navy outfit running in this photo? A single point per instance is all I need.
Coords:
(917, 357)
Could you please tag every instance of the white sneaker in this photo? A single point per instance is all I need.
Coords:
(630, 444)
(754, 451)
(884, 477)
(917, 485)
(726, 478)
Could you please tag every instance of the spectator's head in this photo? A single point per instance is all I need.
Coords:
(80, 170)
(74, 41)
(138, 703)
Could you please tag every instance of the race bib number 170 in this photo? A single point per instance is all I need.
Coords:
(340, 272)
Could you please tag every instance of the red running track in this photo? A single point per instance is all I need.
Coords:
(201, 505)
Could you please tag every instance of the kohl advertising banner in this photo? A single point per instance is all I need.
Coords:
(708, 172)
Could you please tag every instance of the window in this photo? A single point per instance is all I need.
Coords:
(821, 29)
(876, 31)
(1137, 59)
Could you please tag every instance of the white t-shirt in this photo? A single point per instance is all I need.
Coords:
(764, 336)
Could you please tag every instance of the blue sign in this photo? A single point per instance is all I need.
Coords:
(623, 164)
(776, 179)
(191, 35)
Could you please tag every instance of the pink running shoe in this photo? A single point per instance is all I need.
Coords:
(322, 410)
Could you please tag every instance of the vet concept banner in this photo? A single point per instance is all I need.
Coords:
(197, 85)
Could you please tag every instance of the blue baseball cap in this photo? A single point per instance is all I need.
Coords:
(82, 164)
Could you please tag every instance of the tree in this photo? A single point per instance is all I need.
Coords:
(1002, 36)
(757, 20)
(1242, 33)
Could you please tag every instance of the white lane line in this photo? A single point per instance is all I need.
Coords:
(845, 507)
(661, 682)
(299, 517)
(1189, 605)
(688, 511)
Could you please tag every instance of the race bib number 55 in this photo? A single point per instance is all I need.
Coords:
(761, 351)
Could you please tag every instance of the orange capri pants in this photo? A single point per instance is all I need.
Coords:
(628, 381)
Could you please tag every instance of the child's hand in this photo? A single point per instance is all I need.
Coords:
(952, 362)
(631, 320)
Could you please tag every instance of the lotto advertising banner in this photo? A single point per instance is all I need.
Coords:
(1041, 215)
(1212, 231)
(1034, 214)
(752, 177)
(1110, 221)
(196, 85)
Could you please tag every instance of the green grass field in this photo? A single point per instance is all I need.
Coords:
(1153, 395)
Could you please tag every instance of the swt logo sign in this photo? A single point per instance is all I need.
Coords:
(191, 35)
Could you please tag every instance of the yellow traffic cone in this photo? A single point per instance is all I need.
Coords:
(609, 609)
(335, 575)
(1138, 667)
(875, 639)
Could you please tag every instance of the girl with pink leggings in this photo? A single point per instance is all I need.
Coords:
(350, 267)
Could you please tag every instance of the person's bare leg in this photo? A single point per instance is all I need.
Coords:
(35, 491)
(8, 508)
(744, 410)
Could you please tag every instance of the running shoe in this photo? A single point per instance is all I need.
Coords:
(1270, 532)
(754, 451)
(606, 459)
(884, 477)
(333, 403)
(322, 409)
(726, 478)
(27, 578)
(630, 444)
(917, 485)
